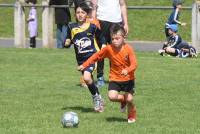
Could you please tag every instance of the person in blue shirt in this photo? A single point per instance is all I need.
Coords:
(172, 46)
(84, 35)
(174, 16)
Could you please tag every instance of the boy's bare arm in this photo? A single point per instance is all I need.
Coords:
(124, 15)
(94, 11)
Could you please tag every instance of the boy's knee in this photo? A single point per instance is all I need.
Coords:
(167, 50)
(112, 97)
(87, 80)
(129, 99)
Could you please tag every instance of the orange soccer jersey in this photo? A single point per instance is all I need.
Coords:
(123, 59)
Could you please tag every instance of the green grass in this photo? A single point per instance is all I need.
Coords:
(144, 24)
(38, 85)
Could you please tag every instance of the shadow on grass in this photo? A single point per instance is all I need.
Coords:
(79, 108)
(79, 85)
(115, 119)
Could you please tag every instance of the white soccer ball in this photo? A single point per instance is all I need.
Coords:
(70, 119)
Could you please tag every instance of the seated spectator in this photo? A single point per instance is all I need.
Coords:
(175, 46)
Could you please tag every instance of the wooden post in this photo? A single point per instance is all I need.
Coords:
(47, 25)
(19, 26)
(196, 25)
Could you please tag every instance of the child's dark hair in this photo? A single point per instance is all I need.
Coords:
(86, 6)
(31, 1)
(177, 2)
(115, 28)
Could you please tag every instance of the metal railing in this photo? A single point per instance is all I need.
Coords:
(128, 7)
(47, 21)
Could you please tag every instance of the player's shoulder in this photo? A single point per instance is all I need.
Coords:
(108, 46)
(128, 46)
(92, 25)
(177, 36)
(95, 22)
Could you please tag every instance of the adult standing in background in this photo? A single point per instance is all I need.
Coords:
(76, 2)
(62, 18)
(109, 12)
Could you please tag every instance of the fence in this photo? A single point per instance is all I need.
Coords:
(196, 25)
(47, 22)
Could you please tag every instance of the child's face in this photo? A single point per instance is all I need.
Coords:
(170, 32)
(179, 6)
(117, 40)
(81, 15)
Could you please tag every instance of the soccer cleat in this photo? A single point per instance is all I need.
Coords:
(161, 52)
(123, 106)
(102, 104)
(192, 52)
(100, 82)
(97, 100)
(132, 115)
(131, 120)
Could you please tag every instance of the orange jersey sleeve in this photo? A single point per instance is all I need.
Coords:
(123, 59)
(103, 53)
(94, 21)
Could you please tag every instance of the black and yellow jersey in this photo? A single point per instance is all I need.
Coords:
(84, 40)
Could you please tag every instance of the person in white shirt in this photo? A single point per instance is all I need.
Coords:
(109, 12)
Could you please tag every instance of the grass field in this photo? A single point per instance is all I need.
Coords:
(38, 85)
(144, 24)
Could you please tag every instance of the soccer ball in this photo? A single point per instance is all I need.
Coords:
(70, 119)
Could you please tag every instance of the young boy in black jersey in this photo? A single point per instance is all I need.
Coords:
(82, 35)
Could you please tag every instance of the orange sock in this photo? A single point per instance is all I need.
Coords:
(132, 111)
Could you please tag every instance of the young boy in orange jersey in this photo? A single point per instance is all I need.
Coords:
(122, 67)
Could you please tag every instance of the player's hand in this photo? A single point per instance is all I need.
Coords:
(124, 72)
(126, 29)
(80, 68)
(183, 24)
(67, 42)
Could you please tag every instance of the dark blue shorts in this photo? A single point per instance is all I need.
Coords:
(125, 86)
(90, 68)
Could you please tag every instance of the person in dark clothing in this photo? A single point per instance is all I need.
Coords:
(76, 2)
(174, 16)
(175, 46)
(62, 18)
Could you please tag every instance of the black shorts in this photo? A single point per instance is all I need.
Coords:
(125, 86)
(90, 68)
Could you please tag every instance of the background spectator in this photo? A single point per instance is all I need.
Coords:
(32, 23)
(76, 2)
(62, 18)
(174, 16)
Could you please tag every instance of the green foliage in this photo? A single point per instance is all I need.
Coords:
(38, 85)
(144, 24)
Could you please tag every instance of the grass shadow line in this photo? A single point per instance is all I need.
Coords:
(115, 119)
(79, 108)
